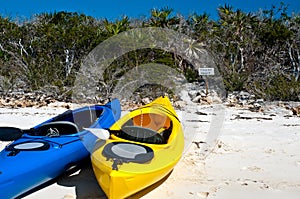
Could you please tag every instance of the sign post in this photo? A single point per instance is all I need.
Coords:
(206, 72)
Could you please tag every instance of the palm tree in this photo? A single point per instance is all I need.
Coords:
(118, 26)
(162, 18)
(200, 26)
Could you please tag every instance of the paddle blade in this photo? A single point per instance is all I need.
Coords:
(10, 133)
(116, 108)
(100, 133)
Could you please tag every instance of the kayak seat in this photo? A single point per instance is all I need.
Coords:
(57, 128)
(153, 129)
(140, 134)
(166, 133)
(152, 121)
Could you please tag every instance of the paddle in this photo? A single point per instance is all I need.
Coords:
(102, 134)
(116, 108)
(10, 133)
(133, 133)
(13, 133)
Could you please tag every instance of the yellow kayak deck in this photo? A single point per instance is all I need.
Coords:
(144, 147)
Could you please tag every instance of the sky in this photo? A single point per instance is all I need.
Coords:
(116, 9)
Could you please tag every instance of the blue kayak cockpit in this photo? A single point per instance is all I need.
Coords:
(58, 128)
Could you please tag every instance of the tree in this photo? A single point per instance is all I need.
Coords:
(232, 44)
(257, 52)
(162, 18)
(114, 28)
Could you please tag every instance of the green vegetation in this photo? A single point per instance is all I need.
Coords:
(256, 52)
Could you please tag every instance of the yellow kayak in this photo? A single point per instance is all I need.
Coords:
(144, 146)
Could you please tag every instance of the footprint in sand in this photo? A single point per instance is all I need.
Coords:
(69, 196)
(202, 194)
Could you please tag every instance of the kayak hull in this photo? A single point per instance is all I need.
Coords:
(35, 159)
(22, 173)
(121, 184)
(146, 162)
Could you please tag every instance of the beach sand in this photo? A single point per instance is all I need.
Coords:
(256, 155)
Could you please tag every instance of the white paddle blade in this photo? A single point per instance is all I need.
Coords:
(100, 133)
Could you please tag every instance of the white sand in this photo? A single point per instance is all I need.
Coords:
(254, 158)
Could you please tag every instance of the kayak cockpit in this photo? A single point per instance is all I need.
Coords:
(149, 128)
(58, 128)
(68, 123)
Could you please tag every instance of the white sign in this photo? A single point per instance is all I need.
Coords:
(206, 71)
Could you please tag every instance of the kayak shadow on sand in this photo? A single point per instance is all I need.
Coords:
(150, 188)
(85, 182)
(86, 185)
(81, 177)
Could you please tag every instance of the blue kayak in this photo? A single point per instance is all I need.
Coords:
(49, 149)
